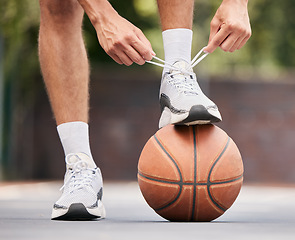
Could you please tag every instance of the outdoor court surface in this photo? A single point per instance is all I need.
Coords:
(258, 213)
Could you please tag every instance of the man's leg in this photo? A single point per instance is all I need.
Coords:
(176, 14)
(176, 21)
(181, 99)
(63, 59)
(65, 69)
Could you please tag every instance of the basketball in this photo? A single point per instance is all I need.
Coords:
(190, 173)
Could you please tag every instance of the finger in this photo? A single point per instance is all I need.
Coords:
(143, 38)
(142, 49)
(125, 59)
(116, 58)
(217, 40)
(213, 32)
(143, 46)
(214, 28)
(243, 42)
(236, 44)
(229, 42)
(134, 56)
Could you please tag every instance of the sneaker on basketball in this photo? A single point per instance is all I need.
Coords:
(182, 100)
(82, 191)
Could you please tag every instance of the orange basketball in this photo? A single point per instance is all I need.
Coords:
(190, 173)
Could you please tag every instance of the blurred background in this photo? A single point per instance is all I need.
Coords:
(253, 87)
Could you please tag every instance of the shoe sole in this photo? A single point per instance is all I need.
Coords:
(77, 211)
(198, 114)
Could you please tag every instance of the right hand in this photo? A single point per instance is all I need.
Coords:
(122, 41)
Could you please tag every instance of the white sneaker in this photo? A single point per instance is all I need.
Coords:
(82, 191)
(182, 100)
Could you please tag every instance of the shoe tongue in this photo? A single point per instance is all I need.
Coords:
(73, 158)
(182, 65)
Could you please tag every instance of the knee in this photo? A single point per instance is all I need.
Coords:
(59, 12)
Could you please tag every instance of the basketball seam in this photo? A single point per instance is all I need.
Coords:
(170, 157)
(195, 174)
(209, 176)
(180, 175)
(189, 183)
(158, 179)
(227, 180)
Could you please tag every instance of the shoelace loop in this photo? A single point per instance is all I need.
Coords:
(185, 82)
(196, 60)
(81, 175)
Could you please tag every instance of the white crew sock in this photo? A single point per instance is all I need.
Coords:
(74, 137)
(177, 45)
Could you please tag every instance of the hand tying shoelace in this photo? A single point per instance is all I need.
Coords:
(184, 80)
(196, 60)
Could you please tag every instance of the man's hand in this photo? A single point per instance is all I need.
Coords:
(230, 27)
(124, 42)
(121, 40)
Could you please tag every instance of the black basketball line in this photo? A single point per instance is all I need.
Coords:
(227, 181)
(209, 176)
(180, 183)
(188, 183)
(180, 175)
(195, 174)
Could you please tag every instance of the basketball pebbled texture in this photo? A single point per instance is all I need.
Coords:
(190, 173)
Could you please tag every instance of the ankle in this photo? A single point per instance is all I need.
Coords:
(74, 137)
(177, 45)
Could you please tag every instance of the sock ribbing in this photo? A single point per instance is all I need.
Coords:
(177, 45)
(74, 137)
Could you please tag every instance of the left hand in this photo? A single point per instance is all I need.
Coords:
(230, 27)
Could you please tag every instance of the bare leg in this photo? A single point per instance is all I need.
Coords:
(63, 59)
(176, 13)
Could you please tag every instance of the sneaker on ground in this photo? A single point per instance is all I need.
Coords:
(82, 191)
(182, 100)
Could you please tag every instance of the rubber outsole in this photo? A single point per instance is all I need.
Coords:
(198, 114)
(77, 211)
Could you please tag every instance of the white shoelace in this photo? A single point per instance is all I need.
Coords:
(80, 175)
(196, 60)
(185, 82)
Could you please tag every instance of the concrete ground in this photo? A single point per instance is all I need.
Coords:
(258, 213)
